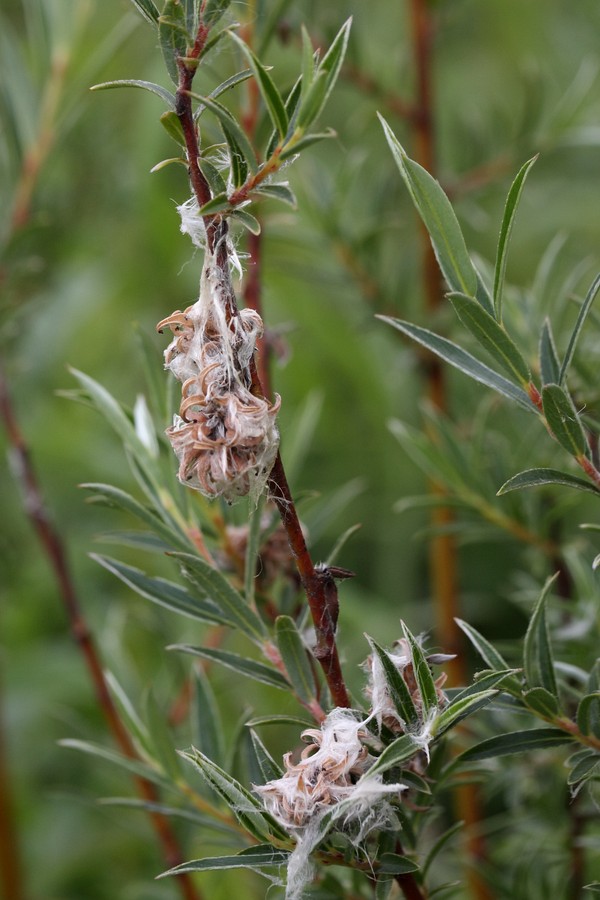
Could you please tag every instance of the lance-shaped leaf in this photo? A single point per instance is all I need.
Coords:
(516, 742)
(459, 709)
(246, 808)
(292, 148)
(485, 681)
(134, 766)
(106, 494)
(423, 676)
(231, 128)
(271, 96)
(260, 857)
(269, 768)
(399, 693)
(512, 202)
(399, 751)
(242, 665)
(325, 78)
(277, 192)
(226, 85)
(583, 312)
(536, 477)
(563, 420)
(491, 336)
(229, 601)
(249, 221)
(206, 717)
(157, 89)
(488, 653)
(165, 593)
(542, 702)
(588, 715)
(173, 36)
(538, 664)
(161, 739)
(460, 359)
(148, 9)
(213, 10)
(295, 660)
(394, 864)
(549, 362)
(439, 219)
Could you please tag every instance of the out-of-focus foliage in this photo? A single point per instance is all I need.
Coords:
(98, 259)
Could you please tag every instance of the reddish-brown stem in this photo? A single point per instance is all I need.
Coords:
(56, 554)
(319, 585)
(11, 872)
(443, 556)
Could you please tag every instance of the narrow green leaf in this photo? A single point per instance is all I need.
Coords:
(295, 659)
(588, 766)
(213, 11)
(224, 595)
(583, 312)
(170, 122)
(399, 751)
(308, 61)
(133, 766)
(538, 664)
(325, 78)
(399, 692)
(279, 720)
(488, 653)
(588, 715)
(277, 192)
(112, 412)
(162, 741)
(439, 845)
(190, 815)
(593, 886)
(516, 742)
(503, 680)
(424, 678)
(394, 864)
(271, 96)
(226, 85)
(460, 709)
(297, 146)
(128, 712)
(536, 477)
(438, 217)
(191, 9)
(148, 10)
(542, 702)
(249, 221)
(246, 808)
(252, 550)
(231, 127)
(215, 205)
(263, 857)
(491, 336)
(512, 202)
(216, 182)
(161, 92)
(460, 359)
(238, 163)
(173, 37)
(208, 724)
(165, 593)
(240, 664)
(269, 768)
(563, 420)
(549, 362)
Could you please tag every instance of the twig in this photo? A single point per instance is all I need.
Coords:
(319, 585)
(443, 558)
(54, 549)
(11, 873)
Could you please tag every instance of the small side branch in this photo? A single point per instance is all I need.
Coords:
(55, 552)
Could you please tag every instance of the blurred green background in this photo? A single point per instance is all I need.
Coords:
(101, 259)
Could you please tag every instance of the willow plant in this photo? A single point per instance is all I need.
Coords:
(353, 814)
